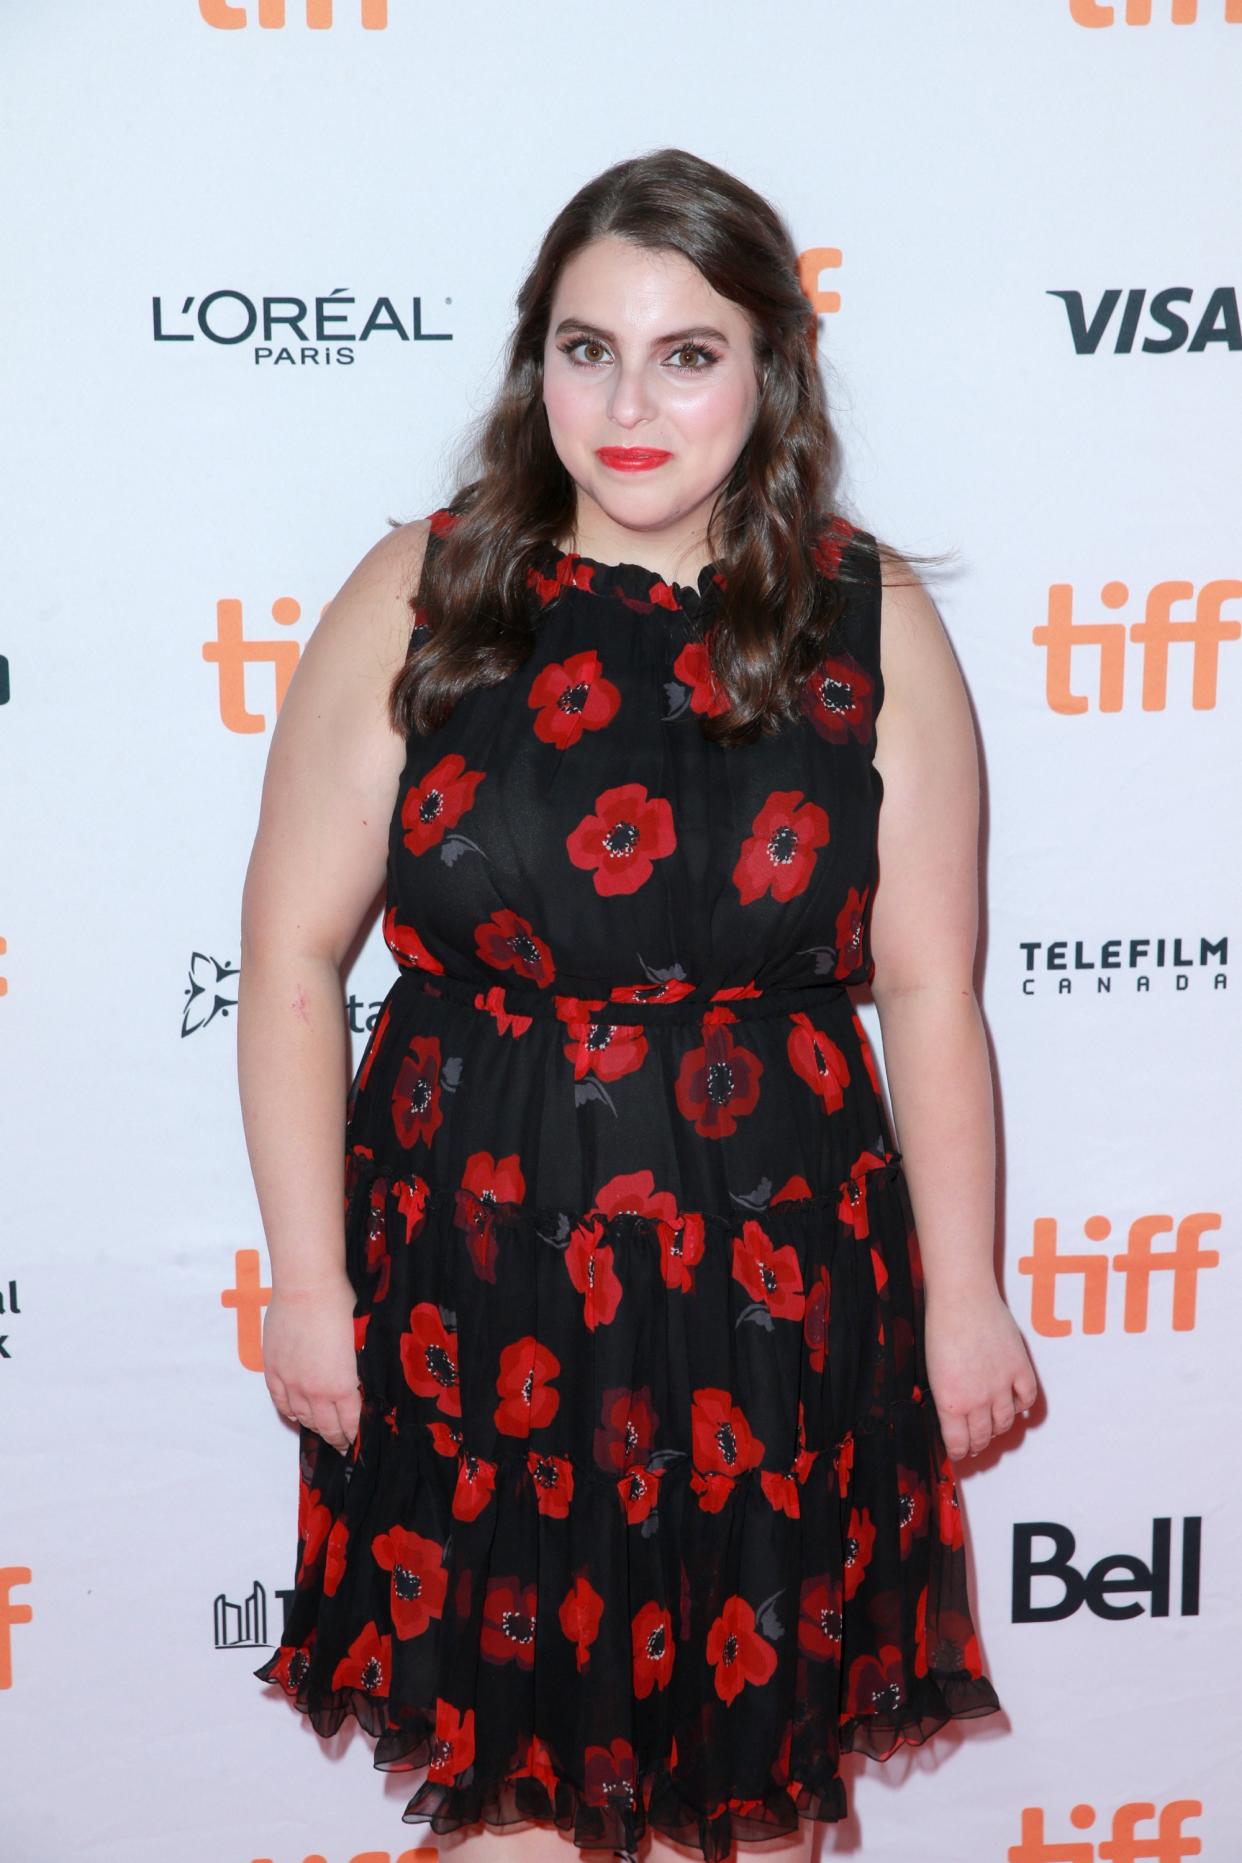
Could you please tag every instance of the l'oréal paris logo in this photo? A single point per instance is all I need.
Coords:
(291, 330)
(1123, 966)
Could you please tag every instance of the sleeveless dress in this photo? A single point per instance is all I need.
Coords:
(649, 1516)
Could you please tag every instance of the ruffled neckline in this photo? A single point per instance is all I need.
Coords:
(633, 583)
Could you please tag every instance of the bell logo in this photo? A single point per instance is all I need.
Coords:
(1204, 630)
(1136, 1264)
(227, 17)
(1138, 13)
(231, 652)
(1168, 1843)
(1116, 1573)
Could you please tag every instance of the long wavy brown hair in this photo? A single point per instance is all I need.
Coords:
(774, 619)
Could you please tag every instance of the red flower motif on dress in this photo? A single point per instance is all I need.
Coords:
(693, 668)
(859, 1546)
(770, 1275)
(314, 1522)
(476, 1484)
(507, 942)
(619, 842)
(839, 699)
(830, 545)
(948, 1512)
(627, 1430)
(527, 1400)
(569, 571)
(820, 1618)
(589, 1262)
(407, 947)
(419, 1578)
(570, 697)
(719, 1081)
(852, 1209)
(868, 1055)
(378, 1258)
(438, 802)
(666, 990)
(486, 1183)
(875, 1683)
(368, 1666)
(912, 1507)
(411, 1200)
(581, 1611)
(639, 1492)
(780, 1488)
(739, 1653)
(610, 1776)
(851, 920)
(429, 1358)
(683, 1239)
(552, 1477)
(334, 1557)
(815, 1318)
(651, 1630)
(608, 1050)
(509, 1621)
(495, 1002)
(416, 1112)
(817, 1059)
(452, 1750)
(724, 1446)
(778, 856)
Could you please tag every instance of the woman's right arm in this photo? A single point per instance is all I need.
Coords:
(316, 867)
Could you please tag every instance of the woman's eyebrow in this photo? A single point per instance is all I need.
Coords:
(657, 342)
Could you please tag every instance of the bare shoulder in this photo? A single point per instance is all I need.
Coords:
(371, 609)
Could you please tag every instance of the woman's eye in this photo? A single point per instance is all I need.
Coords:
(708, 356)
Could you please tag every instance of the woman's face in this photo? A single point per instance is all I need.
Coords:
(641, 352)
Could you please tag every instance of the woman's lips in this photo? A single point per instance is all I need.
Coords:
(631, 458)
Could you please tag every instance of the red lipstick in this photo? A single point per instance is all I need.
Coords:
(631, 458)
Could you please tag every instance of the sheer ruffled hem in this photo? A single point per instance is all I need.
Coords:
(542, 1794)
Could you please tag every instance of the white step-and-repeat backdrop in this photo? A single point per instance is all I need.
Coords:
(1021, 224)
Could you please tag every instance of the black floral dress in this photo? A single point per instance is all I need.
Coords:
(649, 1515)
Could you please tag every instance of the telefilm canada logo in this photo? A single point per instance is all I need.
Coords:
(292, 331)
(1134, 966)
(211, 996)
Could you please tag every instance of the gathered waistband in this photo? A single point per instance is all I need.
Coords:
(525, 1000)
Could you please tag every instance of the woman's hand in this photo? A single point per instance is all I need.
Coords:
(309, 1359)
(977, 1367)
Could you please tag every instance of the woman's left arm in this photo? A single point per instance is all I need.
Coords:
(924, 930)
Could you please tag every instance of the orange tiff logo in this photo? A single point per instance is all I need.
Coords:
(1138, 13)
(248, 1297)
(10, 1614)
(232, 653)
(1168, 1843)
(1136, 1264)
(1203, 629)
(228, 17)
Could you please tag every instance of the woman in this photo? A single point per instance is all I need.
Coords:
(628, 1393)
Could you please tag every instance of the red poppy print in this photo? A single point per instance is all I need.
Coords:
(626, 1430)
(552, 1477)
(452, 1749)
(620, 841)
(416, 1111)
(486, 1184)
(839, 700)
(740, 1655)
(815, 1318)
(589, 1261)
(639, 1493)
(852, 1209)
(607, 1050)
(817, 1059)
(718, 1082)
(314, 1523)
(528, 1400)
(820, 1618)
(335, 1550)
(948, 1511)
(724, 1443)
(683, 1239)
(610, 1775)
(429, 1358)
(508, 942)
(581, 1612)
(419, 1578)
(407, 947)
(572, 696)
(851, 932)
(476, 1484)
(771, 1276)
(778, 855)
(508, 1630)
(368, 1664)
(495, 1002)
(831, 545)
(438, 802)
(652, 1636)
(693, 668)
(859, 1546)
(913, 1507)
